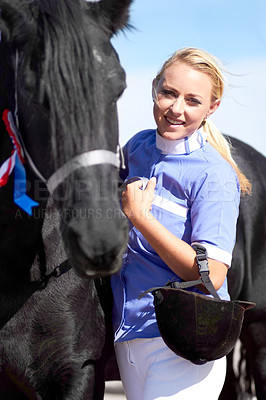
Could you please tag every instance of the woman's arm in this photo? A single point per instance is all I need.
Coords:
(177, 254)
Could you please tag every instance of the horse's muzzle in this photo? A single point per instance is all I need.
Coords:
(96, 246)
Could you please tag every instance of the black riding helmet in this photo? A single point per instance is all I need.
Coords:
(194, 326)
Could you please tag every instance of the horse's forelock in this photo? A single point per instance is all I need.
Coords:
(67, 75)
(17, 26)
(63, 72)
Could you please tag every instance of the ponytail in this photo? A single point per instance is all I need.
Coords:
(223, 146)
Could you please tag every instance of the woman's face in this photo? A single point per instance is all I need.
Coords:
(184, 100)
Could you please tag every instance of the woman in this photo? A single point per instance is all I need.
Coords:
(192, 196)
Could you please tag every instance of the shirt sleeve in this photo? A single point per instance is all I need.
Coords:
(214, 212)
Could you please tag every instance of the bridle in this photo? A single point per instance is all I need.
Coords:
(86, 159)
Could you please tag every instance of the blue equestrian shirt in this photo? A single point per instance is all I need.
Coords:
(196, 198)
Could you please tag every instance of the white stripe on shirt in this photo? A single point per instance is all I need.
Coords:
(169, 205)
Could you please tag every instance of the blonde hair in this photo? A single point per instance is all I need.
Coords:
(202, 61)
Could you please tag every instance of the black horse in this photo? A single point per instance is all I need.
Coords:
(247, 279)
(60, 79)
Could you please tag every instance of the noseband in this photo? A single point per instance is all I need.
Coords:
(93, 157)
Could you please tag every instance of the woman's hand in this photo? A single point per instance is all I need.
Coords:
(137, 203)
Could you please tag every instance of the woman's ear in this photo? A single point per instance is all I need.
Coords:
(213, 107)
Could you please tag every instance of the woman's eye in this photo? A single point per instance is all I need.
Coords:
(168, 93)
(194, 101)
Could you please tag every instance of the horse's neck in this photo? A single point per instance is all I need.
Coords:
(23, 241)
(53, 246)
(23, 236)
(20, 240)
(20, 234)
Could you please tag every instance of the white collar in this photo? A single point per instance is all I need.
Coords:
(181, 146)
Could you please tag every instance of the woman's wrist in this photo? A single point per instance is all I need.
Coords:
(139, 217)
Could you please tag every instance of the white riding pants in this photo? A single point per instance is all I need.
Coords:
(150, 370)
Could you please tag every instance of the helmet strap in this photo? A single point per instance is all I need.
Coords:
(203, 265)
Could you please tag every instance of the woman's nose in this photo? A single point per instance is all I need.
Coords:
(178, 106)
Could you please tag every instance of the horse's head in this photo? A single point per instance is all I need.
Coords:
(64, 81)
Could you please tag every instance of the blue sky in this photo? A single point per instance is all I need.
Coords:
(232, 30)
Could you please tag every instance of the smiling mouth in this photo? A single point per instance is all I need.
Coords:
(174, 122)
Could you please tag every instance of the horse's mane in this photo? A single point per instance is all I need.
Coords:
(56, 42)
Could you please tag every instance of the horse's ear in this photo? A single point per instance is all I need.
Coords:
(115, 13)
(15, 24)
(5, 20)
